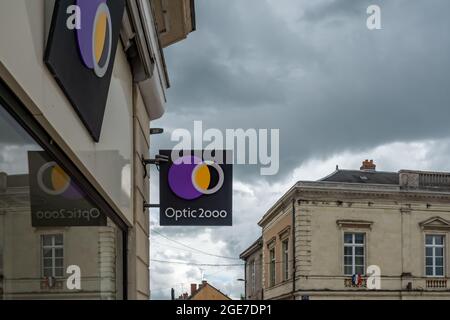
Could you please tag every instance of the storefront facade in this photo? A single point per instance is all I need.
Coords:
(72, 219)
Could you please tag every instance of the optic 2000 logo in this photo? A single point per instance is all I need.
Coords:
(92, 20)
(190, 177)
(52, 179)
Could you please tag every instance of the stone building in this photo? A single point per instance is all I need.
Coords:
(204, 291)
(253, 270)
(359, 234)
(80, 83)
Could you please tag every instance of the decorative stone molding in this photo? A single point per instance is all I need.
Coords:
(408, 179)
(283, 234)
(437, 283)
(271, 243)
(435, 223)
(357, 224)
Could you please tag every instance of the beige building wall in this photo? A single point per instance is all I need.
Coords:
(140, 233)
(176, 21)
(395, 241)
(113, 165)
(23, 68)
(254, 291)
(394, 223)
(277, 231)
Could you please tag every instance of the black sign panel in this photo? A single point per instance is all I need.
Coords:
(196, 189)
(56, 200)
(80, 54)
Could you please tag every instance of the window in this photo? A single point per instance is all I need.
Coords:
(272, 267)
(253, 275)
(41, 191)
(52, 248)
(434, 255)
(285, 259)
(354, 253)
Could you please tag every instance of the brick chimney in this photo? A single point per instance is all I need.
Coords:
(193, 288)
(368, 165)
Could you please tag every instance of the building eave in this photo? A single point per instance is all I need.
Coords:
(329, 187)
(254, 247)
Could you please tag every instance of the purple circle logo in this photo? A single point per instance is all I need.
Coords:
(190, 177)
(95, 35)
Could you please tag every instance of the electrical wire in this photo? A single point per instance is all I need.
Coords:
(198, 264)
(194, 249)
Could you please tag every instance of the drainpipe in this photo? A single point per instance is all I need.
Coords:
(245, 280)
(293, 248)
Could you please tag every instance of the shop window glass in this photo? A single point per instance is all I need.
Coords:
(48, 225)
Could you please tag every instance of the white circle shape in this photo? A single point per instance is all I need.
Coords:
(40, 180)
(100, 71)
(219, 183)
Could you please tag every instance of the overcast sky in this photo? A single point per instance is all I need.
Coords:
(338, 92)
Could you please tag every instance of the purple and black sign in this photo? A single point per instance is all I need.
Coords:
(195, 190)
(80, 54)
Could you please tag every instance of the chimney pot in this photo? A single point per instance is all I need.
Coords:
(193, 288)
(368, 165)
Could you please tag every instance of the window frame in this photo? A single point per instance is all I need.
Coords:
(53, 246)
(253, 276)
(24, 118)
(272, 267)
(354, 245)
(434, 246)
(285, 258)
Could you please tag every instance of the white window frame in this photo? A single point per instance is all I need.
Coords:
(53, 246)
(253, 275)
(434, 246)
(285, 258)
(272, 267)
(355, 245)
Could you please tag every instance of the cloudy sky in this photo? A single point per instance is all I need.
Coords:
(338, 92)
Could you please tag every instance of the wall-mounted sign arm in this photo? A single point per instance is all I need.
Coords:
(156, 131)
(150, 206)
(157, 161)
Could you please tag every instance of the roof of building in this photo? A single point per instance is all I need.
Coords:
(363, 176)
(405, 182)
(251, 249)
(203, 286)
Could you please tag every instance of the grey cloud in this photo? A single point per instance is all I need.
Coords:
(328, 88)
(327, 82)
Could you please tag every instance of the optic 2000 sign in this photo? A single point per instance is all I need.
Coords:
(196, 189)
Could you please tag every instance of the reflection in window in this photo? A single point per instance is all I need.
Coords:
(52, 255)
(48, 223)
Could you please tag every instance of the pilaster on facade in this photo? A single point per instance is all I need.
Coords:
(303, 238)
(107, 261)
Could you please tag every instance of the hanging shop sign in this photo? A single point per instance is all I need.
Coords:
(196, 189)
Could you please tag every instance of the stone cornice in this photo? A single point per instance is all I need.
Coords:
(333, 191)
(357, 224)
(435, 223)
(283, 234)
